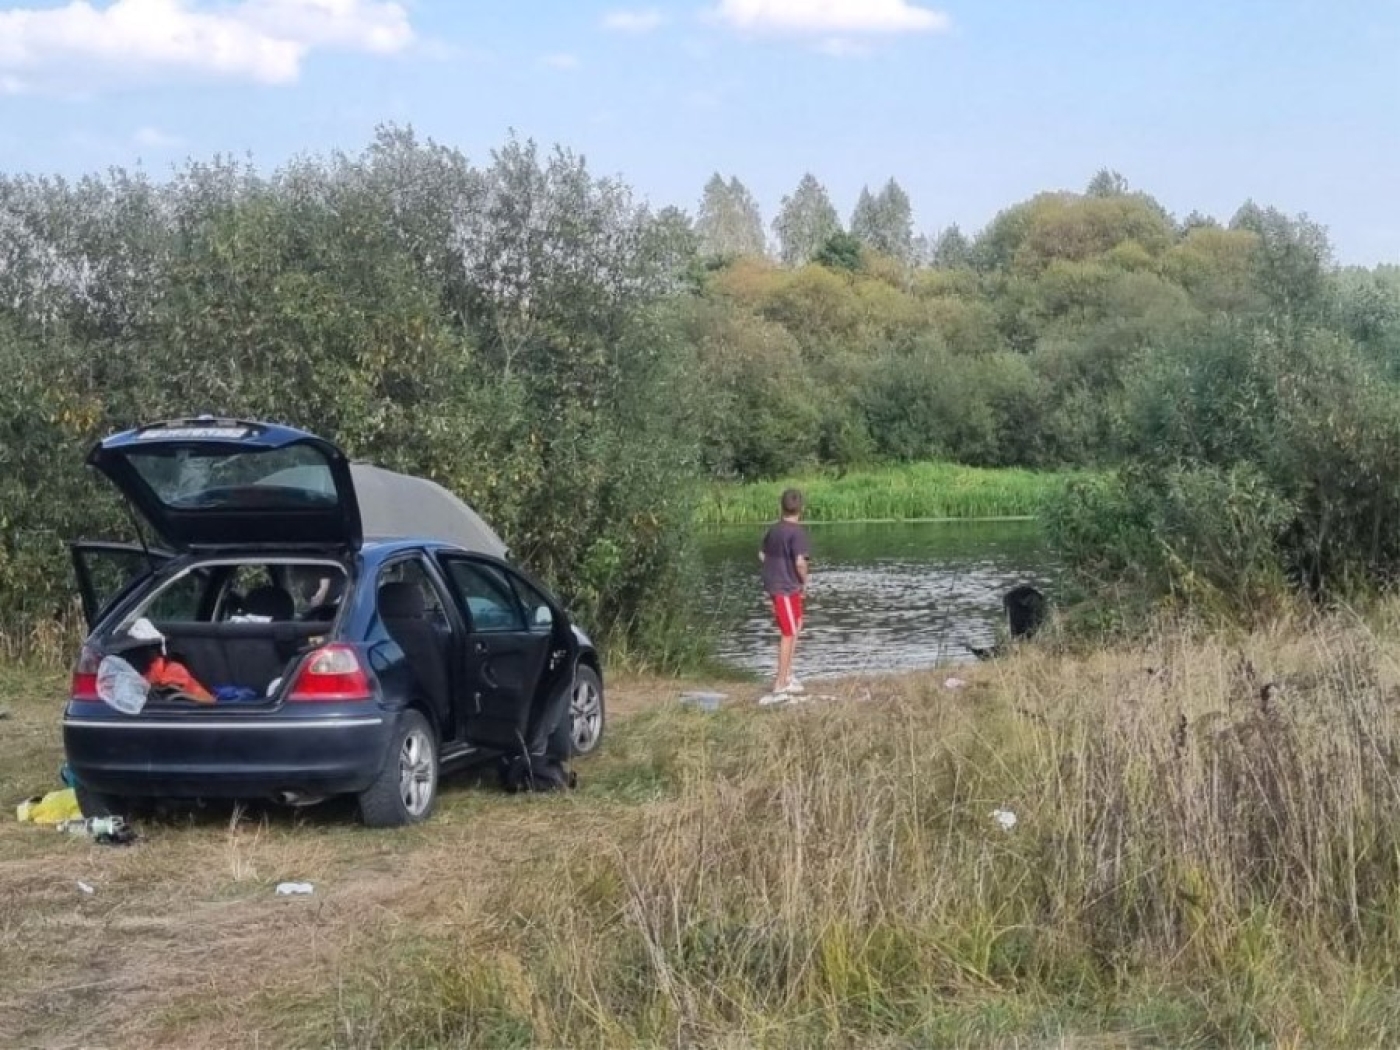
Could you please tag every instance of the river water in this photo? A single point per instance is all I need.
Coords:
(883, 597)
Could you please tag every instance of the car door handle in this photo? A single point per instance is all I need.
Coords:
(488, 675)
(479, 648)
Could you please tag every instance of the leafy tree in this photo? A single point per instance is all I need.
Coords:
(730, 223)
(1197, 221)
(840, 252)
(805, 222)
(952, 249)
(1291, 258)
(1107, 183)
(1366, 307)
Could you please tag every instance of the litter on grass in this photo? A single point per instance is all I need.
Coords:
(53, 808)
(704, 701)
(105, 831)
(1005, 818)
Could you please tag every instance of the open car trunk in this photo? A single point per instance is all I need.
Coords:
(236, 663)
(227, 632)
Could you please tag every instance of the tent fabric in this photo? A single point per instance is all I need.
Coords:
(399, 505)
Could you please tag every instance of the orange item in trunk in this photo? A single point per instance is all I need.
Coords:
(171, 674)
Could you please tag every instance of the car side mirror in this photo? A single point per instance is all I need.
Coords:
(543, 616)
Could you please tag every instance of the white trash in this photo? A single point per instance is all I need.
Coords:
(145, 631)
(1005, 818)
(295, 889)
(954, 683)
(121, 686)
(86, 888)
(704, 701)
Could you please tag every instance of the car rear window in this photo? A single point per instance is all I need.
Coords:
(282, 478)
(239, 592)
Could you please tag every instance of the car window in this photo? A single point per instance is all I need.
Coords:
(220, 592)
(190, 478)
(316, 590)
(109, 571)
(538, 614)
(489, 602)
(412, 572)
(181, 600)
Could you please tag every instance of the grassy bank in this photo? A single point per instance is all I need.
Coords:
(1198, 860)
(912, 492)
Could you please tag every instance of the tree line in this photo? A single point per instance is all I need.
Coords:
(574, 361)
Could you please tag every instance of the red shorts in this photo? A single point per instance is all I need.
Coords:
(787, 610)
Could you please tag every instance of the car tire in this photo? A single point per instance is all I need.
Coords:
(587, 713)
(96, 804)
(406, 789)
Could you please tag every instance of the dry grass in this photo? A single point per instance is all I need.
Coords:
(1199, 861)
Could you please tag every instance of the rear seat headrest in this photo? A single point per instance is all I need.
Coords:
(401, 601)
(270, 601)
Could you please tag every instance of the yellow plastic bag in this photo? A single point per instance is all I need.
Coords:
(53, 808)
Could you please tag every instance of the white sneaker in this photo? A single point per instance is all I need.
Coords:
(793, 686)
(770, 699)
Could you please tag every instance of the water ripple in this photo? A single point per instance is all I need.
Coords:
(883, 597)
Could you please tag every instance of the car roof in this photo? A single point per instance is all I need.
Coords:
(377, 548)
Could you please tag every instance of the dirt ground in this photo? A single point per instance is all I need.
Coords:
(183, 936)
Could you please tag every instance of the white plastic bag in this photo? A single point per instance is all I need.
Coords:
(121, 686)
(145, 631)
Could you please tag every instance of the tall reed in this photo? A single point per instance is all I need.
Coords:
(905, 493)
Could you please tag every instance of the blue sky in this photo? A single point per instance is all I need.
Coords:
(971, 105)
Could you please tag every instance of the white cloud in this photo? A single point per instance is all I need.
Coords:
(830, 16)
(154, 138)
(562, 61)
(265, 41)
(646, 20)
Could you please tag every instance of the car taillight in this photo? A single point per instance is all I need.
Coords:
(84, 685)
(329, 674)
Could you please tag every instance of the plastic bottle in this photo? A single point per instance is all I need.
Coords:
(94, 827)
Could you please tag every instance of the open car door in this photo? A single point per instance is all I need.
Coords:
(106, 571)
(516, 660)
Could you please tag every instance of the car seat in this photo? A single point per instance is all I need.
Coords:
(405, 616)
(271, 601)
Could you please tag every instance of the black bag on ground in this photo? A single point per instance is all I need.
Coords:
(520, 773)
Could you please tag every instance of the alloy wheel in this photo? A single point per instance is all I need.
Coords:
(417, 773)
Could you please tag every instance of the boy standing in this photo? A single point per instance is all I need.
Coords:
(784, 559)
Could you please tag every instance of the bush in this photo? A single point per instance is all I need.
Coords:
(493, 329)
(1261, 458)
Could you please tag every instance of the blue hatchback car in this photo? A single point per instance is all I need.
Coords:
(300, 627)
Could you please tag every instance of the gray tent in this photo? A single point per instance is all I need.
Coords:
(401, 505)
(393, 505)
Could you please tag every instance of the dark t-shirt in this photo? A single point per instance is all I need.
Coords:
(783, 544)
